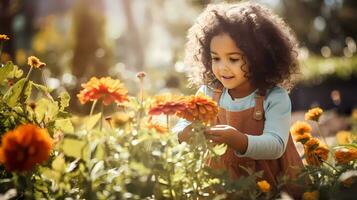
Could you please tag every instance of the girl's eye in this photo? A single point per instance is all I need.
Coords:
(233, 59)
(215, 59)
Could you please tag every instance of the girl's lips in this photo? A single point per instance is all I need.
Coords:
(227, 77)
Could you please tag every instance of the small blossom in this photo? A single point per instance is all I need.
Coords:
(21, 149)
(35, 62)
(344, 155)
(157, 127)
(314, 195)
(141, 75)
(264, 186)
(167, 104)
(120, 119)
(313, 114)
(4, 37)
(108, 89)
(299, 128)
(303, 138)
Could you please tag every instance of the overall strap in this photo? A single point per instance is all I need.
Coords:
(258, 113)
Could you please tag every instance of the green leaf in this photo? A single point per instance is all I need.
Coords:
(92, 121)
(27, 92)
(65, 125)
(73, 147)
(12, 96)
(59, 164)
(64, 100)
(15, 73)
(42, 88)
(46, 108)
(5, 70)
(220, 149)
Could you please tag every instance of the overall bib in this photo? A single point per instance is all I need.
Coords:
(251, 121)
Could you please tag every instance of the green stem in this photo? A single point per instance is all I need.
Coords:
(23, 90)
(101, 117)
(322, 136)
(92, 108)
(168, 122)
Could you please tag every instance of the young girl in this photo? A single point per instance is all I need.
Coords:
(243, 55)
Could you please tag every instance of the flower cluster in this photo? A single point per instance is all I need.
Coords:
(313, 114)
(199, 108)
(108, 89)
(24, 147)
(167, 104)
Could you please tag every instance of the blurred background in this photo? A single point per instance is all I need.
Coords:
(79, 39)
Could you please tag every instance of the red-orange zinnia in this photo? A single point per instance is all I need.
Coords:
(108, 89)
(21, 149)
(199, 108)
(167, 104)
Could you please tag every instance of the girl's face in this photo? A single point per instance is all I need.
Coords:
(227, 63)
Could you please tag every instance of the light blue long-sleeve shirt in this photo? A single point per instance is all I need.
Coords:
(277, 107)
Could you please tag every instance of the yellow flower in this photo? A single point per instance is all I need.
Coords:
(120, 119)
(313, 114)
(4, 37)
(299, 128)
(108, 89)
(314, 195)
(264, 186)
(303, 138)
(344, 155)
(199, 108)
(35, 62)
(24, 147)
(344, 137)
(167, 104)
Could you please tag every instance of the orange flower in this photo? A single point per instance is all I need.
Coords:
(35, 62)
(167, 104)
(345, 154)
(303, 138)
(199, 108)
(25, 147)
(322, 152)
(4, 37)
(108, 89)
(157, 127)
(314, 114)
(299, 128)
(312, 144)
(264, 186)
(315, 153)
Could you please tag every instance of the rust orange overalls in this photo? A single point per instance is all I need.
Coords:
(251, 121)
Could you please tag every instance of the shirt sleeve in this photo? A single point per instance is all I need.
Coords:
(183, 123)
(272, 143)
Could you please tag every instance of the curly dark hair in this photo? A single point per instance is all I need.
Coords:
(268, 44)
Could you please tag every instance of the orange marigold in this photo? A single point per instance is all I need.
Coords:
(322, 152)
(312, 144)
(314, 114)
(108, 89)
(200, 108)
(264, 186)
(345, 154)
(299, 128)
(344, 137)
(35, 62)
(303, 138)
(167, 104)
(25, 147)
(4, 37)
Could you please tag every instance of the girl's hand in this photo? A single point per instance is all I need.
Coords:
(228, 135)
